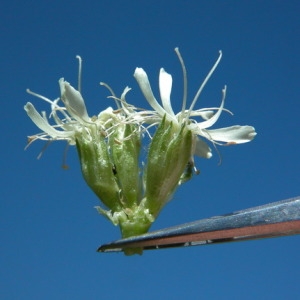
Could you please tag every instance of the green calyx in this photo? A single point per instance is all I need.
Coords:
(110, 166)
(98, 168)
(125, 147)
(169, 155)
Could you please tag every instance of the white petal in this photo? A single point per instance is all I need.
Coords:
(126, 90)
(54, 113)
(125, 106)
(215, 117)
(234, 134)
(106, 115)
(42, 123)
(204, 114)
(142, 80)
(165, 87)
(202, 149)
(73, 101)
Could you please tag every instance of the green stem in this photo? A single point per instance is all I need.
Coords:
(137, 223)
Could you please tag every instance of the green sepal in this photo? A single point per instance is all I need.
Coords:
(125, 146)
(168, 157)
(97, 168)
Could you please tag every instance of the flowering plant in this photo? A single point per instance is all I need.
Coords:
(109, 145)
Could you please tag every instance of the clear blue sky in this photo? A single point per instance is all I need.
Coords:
(49, 228)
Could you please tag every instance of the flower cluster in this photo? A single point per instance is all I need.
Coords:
(109, 145)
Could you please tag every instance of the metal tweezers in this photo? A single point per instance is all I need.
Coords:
(271, 220)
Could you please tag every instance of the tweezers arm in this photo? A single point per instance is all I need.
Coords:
(271, 220)
(226, 235)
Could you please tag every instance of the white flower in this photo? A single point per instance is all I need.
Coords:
(71, 118)
(228, 135)
(74, 115)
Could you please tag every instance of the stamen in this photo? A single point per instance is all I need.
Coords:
(44, 98)
(184, 98)
(64, 164)
(112, 92)
(44, 149)
(204, 83)
(79, 72)
(219, 154)
(30, 140)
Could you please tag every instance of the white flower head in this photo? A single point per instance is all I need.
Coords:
(71, 118)
(228, 135)
(109, 145)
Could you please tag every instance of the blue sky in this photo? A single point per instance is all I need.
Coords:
(49, 228)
